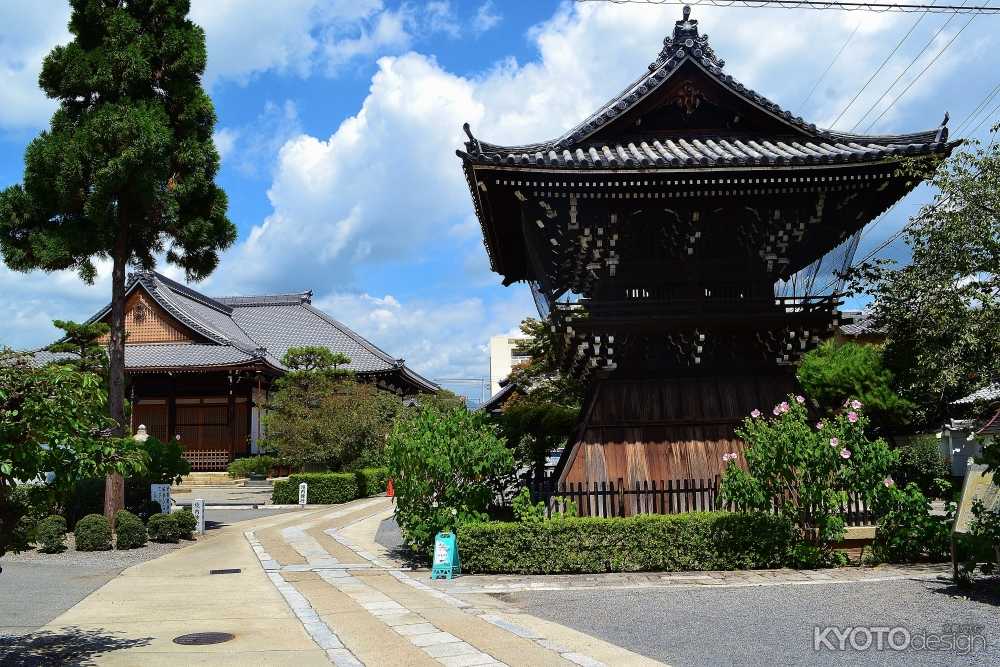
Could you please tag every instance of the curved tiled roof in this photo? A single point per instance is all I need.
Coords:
(238, 330)
(987, 394)
(802, 143)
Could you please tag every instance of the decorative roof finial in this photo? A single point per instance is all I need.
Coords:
(686, 27)
(942, 133)
(686, 42)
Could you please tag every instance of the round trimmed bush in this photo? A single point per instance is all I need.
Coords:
(51, 535)
(162, 528)
(186, 523)
(130, 532)
(93, 533)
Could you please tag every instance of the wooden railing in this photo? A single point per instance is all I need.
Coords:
(608, 499)
(207, 460)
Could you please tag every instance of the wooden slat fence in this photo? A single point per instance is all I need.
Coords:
(610, 499)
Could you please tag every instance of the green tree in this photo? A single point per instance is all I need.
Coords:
(54, 418)
(833, 373)
(536, 428)
(447, 468)
(541, 376)
(83, 341)
(319, 416)
(941, 312)
(127, 168)
(442, 401)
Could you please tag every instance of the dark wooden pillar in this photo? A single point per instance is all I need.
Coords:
(172, 408)
(231, 416)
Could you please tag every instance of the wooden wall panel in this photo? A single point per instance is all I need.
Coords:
(673, 429)
(146, 322)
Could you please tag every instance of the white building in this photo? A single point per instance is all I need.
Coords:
(504, 355)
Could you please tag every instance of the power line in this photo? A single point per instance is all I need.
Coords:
(819, 4)
(979, 107)
(924, 70)
(879, 69)
(830, 66)
(902, 74)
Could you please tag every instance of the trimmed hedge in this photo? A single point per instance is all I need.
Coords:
(93, 533)
(330, 488)
(129, 531)
(163, 528)
(51, 534)
(186, 523)
(678, 542)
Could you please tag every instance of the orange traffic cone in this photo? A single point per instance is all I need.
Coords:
(389, 491)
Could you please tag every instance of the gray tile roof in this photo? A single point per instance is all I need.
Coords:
(859, 323)
(240, 330)
(801, 143)
(987, 394)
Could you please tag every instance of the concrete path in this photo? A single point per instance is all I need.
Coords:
(314, 589)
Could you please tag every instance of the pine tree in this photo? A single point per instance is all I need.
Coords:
(127, 168)
(84, 342)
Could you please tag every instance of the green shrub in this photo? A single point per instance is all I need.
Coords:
(129, 531)
(525, 510)
(51, 535)
(920, 461)
(907, 531)
(694, 541)
(163, 528)
(186, 523)
(371, 481)
(325, 488)
(28, 506)
(166, 466)
(93, 533)
(259, 465)
(446, 470)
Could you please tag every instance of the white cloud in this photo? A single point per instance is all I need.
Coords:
(441, 18)
(253, 148)
(486, 17)
(225, 141)
(438, 339)
(27, 33)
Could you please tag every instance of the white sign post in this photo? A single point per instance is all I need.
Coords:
(198, 509)
(161, 494)
(303, 494)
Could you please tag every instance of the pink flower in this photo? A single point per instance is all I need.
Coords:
(889, 482)
(755, 414)
(819, 426)
(834, 442)
(800, 399)
(845, 453)
(731, 456)
(852, 417)
(856, 404)
(776, 411)
(783, 406)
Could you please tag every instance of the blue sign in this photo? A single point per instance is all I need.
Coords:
(446, 562)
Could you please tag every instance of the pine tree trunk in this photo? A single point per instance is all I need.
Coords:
(114, 484)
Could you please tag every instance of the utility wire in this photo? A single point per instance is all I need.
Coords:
(830, 66)
(879, 68)
(922, 72)
(979, 107)
(819, 4)
(901, 74)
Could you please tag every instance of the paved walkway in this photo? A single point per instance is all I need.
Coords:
(313, 589)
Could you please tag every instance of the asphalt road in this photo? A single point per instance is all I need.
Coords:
(775, 625)
(32, 594)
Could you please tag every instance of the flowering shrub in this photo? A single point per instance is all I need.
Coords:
(447, 468)
(803, 471)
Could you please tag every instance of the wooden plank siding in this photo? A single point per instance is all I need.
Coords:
(211, 431)
(147, 322)
(669, 429)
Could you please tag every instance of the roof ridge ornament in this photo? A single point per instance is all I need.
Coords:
(942, 133)
(685, 41)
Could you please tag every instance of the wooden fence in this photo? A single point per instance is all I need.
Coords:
(608, 499)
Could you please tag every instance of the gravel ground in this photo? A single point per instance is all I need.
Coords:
(774, 625)
(107, 559)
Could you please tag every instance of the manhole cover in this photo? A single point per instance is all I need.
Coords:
(202, 638)
(228, 570)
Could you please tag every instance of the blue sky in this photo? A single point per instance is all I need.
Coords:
(338, 120)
